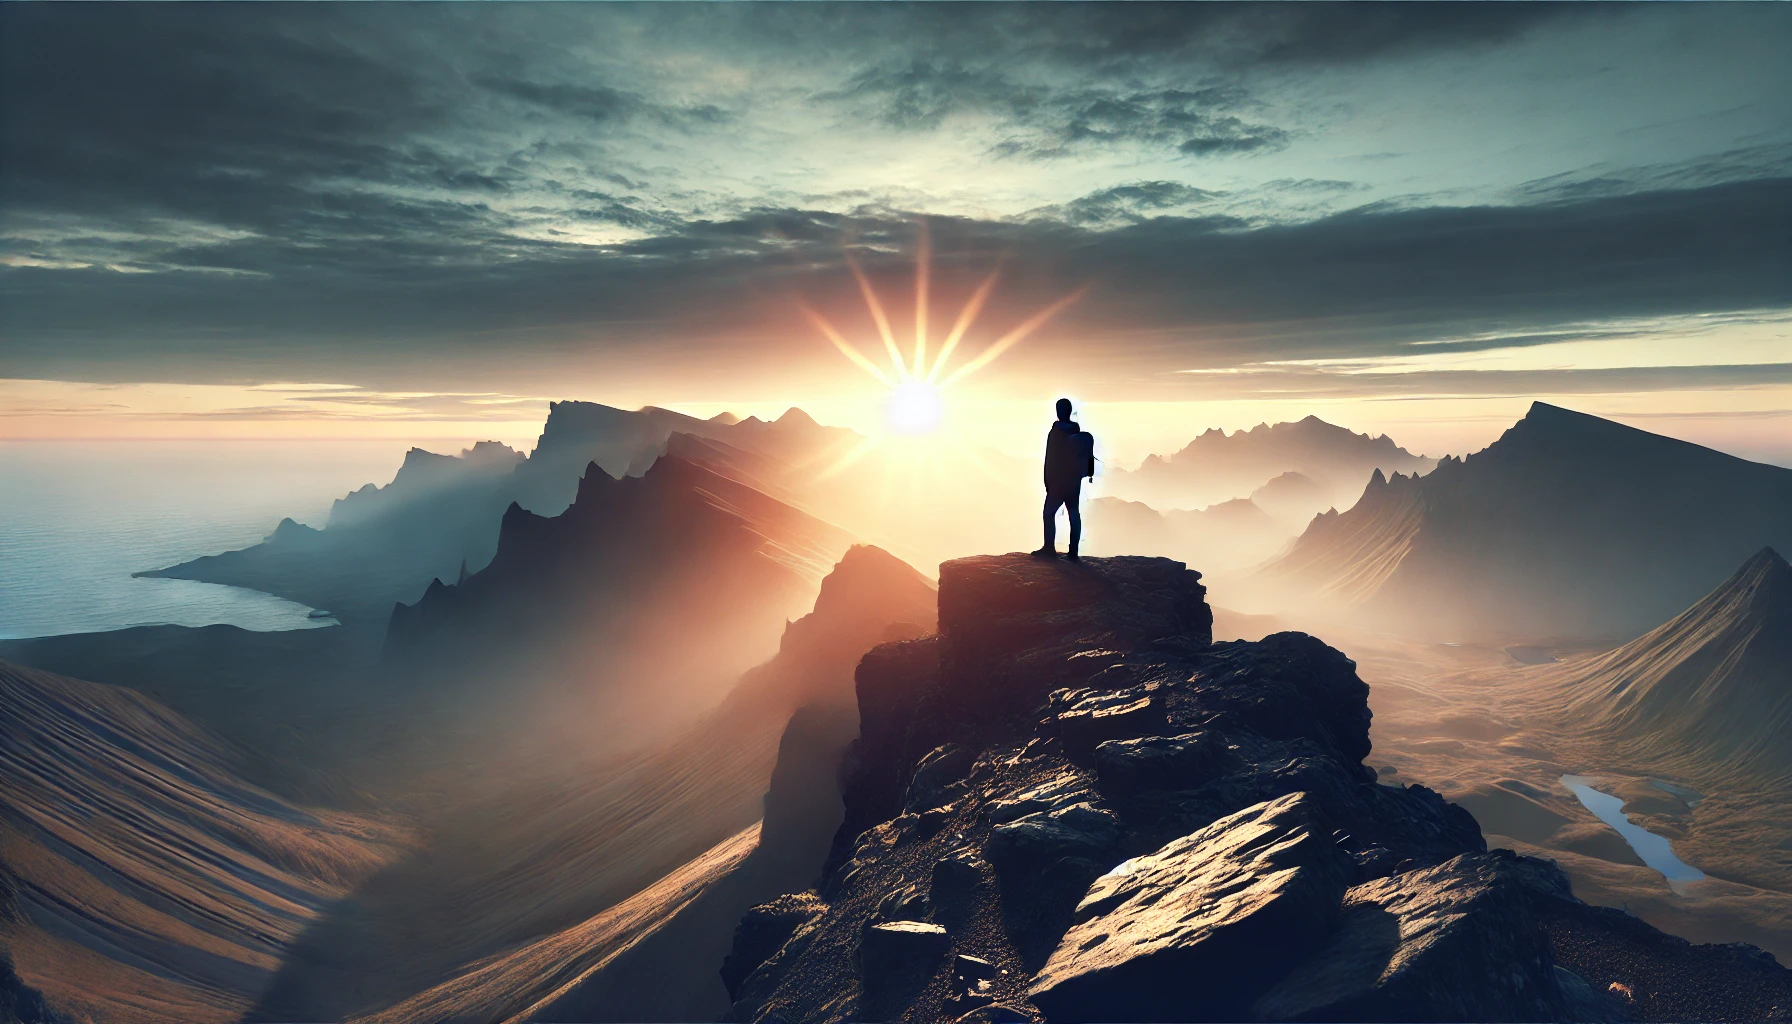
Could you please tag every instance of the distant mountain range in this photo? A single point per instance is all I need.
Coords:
(440, 514)
(1568, 525)
(1230, 535)
(681, 575)
(1713, 685)
(1217, 466)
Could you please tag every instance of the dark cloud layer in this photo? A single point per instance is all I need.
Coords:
(276, 189)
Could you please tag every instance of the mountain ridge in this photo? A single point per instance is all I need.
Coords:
(1216, 466)
(1567, 524)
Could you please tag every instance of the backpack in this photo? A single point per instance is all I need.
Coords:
(1085, 450)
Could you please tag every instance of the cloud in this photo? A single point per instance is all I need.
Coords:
(462, 191)
(1183, 290)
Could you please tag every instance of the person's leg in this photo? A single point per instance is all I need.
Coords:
(1073, 505)
(1050, 547)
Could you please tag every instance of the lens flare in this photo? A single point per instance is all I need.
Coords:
(914, 406)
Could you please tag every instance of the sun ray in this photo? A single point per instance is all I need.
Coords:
(1009, 340)
(858, 358)
(923, 274)
(877, 317)
(965, 317)
(974, 458)
(864, 448)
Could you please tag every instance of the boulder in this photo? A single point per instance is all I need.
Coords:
(909, 903)
(763, 931)
(898, 952)
(1080, 830)
(1455, 942)
(934, 776)
(953, 885)
(1204, 926)
(1148, 763)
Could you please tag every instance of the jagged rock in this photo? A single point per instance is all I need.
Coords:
(953, 882)
(897, 954)
(1095, 720)
(1201, 928)
(908, 903)
(1061, 790)
(1458, 941)
(1158, 762)
(938, 771)
(763, 931)
(1080, 830)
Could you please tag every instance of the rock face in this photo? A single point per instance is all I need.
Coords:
(1216, 850)
(1458, 941)
(1199, 929)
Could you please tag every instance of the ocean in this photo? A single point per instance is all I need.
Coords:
(78, 517)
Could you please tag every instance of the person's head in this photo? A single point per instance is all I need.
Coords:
(1063, 408)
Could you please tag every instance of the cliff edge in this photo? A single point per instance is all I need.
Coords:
(1070, 804)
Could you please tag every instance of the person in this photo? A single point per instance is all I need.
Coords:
(1069, 457)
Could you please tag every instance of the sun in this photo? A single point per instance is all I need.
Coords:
(914, 405)
(913, 409)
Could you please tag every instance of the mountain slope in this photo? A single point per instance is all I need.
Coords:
(512, 879)
(1712, 684)
(143, 879)
(1567, 525)
(1217, 466)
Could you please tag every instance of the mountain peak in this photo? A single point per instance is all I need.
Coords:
(794, 416)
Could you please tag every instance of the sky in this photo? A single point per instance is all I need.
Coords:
(417, 221)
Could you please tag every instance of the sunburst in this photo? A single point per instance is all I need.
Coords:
(916, 385)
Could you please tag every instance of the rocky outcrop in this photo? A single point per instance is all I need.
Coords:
(1200, 928)
(1457, 941)
(1214, 849)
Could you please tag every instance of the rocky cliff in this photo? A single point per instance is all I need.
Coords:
(1070, 804)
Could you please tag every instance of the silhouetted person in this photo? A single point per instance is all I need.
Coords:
(1069, 457)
